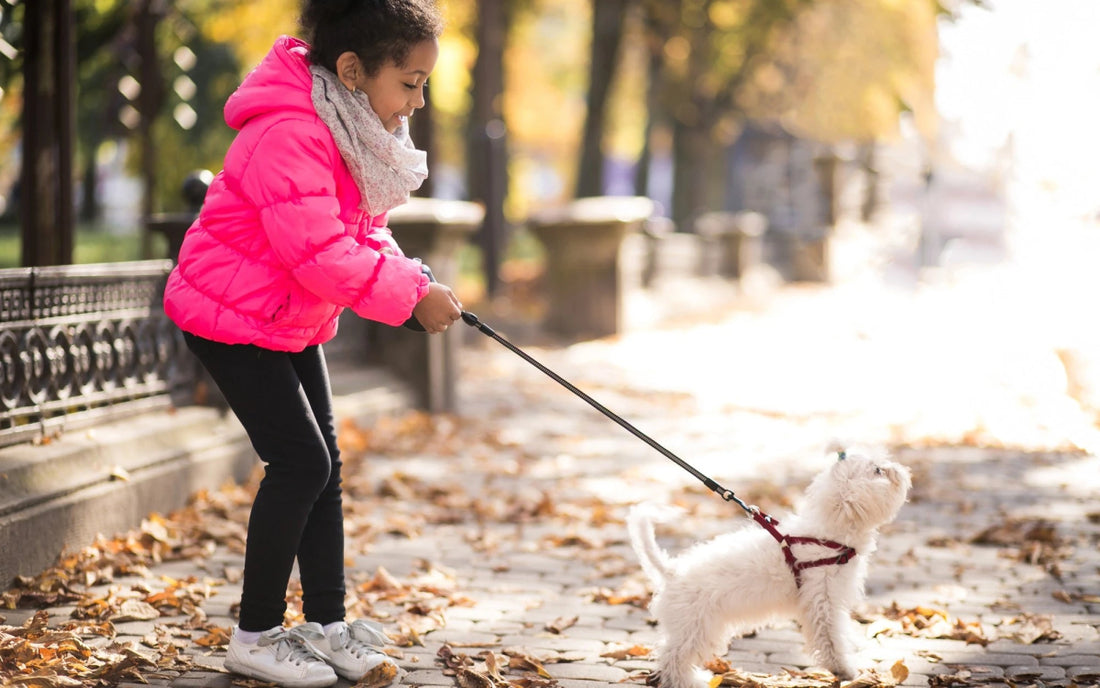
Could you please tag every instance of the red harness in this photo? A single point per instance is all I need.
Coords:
(785, 541)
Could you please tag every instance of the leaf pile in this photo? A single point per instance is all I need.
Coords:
(487, 669)
(924, 622)
(212, 519)
(35, 655)
(1031, 541)
(726, 675)
(420, 602)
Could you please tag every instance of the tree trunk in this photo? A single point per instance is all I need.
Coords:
(652, 106)
(608, 18)
(150, 101)
(89, 200)
(46, 181)
(691, 149)
(486, 152)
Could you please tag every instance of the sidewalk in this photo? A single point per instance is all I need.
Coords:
(500, 530)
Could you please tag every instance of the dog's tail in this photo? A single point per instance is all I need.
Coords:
(639, 522)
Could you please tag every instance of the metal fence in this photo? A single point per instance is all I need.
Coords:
(79, 343)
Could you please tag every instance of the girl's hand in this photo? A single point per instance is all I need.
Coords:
(438, 309)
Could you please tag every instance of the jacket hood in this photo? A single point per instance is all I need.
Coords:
(282, 82)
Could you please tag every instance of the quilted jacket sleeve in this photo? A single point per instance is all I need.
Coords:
(290, 178)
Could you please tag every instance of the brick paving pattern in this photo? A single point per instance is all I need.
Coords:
(520, 577)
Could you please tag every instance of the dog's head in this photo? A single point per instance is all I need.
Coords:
(858, 493)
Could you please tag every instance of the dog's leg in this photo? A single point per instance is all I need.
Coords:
(825, 625)
(689, 641)
(680, 667)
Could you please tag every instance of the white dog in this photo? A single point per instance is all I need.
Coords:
(810, 567)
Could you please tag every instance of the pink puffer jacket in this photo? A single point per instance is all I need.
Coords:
(281, 246)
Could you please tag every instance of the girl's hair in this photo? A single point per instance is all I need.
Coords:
(378, 31)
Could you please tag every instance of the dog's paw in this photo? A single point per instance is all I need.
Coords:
(844, 672)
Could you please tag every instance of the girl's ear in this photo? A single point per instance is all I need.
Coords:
(348, 68)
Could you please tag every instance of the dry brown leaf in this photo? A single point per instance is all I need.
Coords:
(924, 622)
(492, 665)
(1029, 629)
(524, 662)
(381, 675)
(216, 636)
(383, 581)
(785, 679)
(1072, 597)
(627, 595)
(876, 679)
(452, 659)
(135, 610)
(628, 652)
(352, 438)
(561, 623)
(468, 678)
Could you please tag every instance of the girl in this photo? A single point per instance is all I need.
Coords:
(293, 231)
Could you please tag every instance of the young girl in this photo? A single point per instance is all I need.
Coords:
(293, 231)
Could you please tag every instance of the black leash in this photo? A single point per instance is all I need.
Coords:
(472, 320)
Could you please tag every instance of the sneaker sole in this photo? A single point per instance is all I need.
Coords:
(250, 672)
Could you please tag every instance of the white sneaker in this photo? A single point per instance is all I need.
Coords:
(352, 649)
(280, 657)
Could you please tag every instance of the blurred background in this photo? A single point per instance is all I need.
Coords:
(942, 132)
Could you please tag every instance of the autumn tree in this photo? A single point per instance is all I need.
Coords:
(486, 129)
(846, 70)
(827, 70)
(608, 22)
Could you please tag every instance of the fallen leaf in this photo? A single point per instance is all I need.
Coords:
(524, 662)
(381, 675)
(1029, 629)
(216, 636)
(468, 678)
(135, 610)
(628, 652)
(561, 623)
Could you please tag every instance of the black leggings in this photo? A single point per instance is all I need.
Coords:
(284, 402)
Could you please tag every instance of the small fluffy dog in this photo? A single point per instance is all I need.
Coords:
(803, 567)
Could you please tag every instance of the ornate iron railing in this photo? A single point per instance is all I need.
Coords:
(79, 343)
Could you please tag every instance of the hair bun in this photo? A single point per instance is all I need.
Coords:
(320, 12)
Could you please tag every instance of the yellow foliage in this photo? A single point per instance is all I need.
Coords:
(847, 68)
(251, 27)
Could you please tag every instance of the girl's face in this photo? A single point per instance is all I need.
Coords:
(396, 92)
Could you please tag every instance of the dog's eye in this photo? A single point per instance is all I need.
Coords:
(878, 470)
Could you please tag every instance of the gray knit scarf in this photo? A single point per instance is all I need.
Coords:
(385, 166)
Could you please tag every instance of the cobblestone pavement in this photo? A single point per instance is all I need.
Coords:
(1000, 535)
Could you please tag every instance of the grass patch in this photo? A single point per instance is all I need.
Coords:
(91, 244)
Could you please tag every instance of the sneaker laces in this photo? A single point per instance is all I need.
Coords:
(360, 638)
(288, 646)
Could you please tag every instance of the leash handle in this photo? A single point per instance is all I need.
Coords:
(473, 321)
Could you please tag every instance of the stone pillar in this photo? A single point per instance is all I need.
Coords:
(174, 226)
(583, 269)
(734, 242)
(432, 230)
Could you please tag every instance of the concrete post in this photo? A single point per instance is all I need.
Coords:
(583, 269)
(734, 242)
(432, 230)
